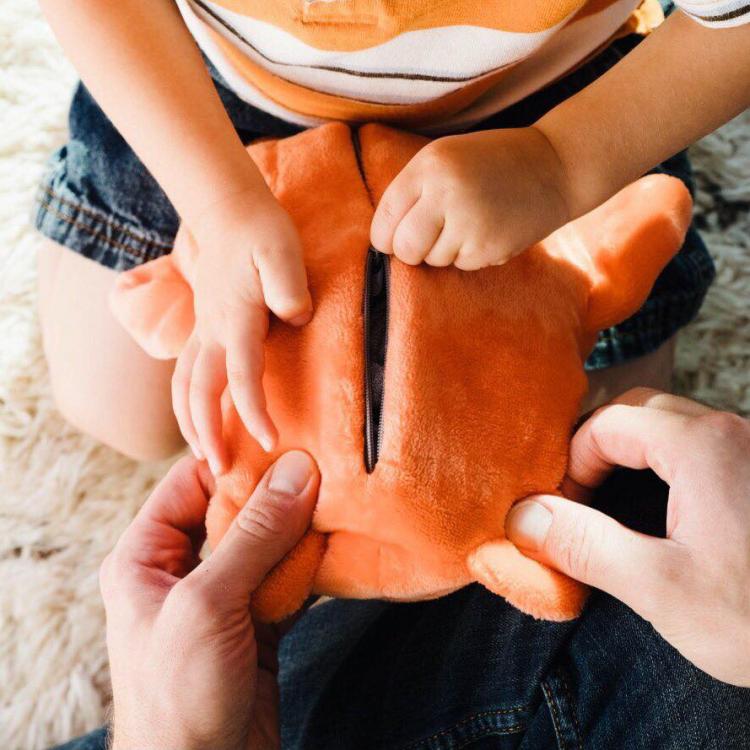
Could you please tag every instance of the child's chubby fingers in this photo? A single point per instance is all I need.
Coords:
(397, 200)
(181, 376)
(476, 251)
(283, 279)
(418, 231)
(207, 383)
(470, 257)
(445, 248)
(245, 362)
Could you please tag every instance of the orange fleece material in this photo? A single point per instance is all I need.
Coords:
(483, 378)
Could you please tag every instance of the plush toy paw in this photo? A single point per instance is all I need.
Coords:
(525, 583)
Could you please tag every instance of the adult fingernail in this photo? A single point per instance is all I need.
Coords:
(527, 524)
(291, 473)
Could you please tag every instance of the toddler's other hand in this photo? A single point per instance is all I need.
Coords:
(473, 200)
(249, 262)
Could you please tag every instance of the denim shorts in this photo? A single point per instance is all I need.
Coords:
(99, 200)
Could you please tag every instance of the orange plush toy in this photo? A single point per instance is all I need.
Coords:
(432, 399)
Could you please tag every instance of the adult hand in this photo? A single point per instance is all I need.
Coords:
(693, 586)
(189, 668)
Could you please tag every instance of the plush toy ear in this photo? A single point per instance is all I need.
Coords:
(630, 239)
(154, 302)
(528, 585)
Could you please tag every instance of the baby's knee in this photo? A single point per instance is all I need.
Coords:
(141, 433)
(103, 383)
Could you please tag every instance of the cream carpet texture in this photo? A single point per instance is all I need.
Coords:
(64, 498)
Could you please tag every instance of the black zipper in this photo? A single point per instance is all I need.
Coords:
(375, 315)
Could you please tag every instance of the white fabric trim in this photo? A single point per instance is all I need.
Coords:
(559, 53)
(449, 51)
(713, 14)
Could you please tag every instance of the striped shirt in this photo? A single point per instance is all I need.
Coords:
(430, 65)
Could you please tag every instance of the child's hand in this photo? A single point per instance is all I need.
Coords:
(249, 262)
(473, 200)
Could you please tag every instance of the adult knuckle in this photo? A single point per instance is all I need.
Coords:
(583, 550)
(574, 547)
(120, 584)
(263, 522)
(724, 427)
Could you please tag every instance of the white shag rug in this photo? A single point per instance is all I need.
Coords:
(64, 498)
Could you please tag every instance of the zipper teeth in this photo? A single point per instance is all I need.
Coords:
(373, 433)
(370, 438)
(387, 295)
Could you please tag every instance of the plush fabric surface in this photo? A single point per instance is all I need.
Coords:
(483, 377)
(64, 499)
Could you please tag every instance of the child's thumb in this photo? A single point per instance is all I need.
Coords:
(590, 547)
(284, 281)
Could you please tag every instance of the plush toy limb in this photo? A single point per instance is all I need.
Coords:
(626, 242)
(359, 567)
(154, 302)
(290, 583)
(525, 583)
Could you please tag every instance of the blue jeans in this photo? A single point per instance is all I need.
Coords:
(469, 671)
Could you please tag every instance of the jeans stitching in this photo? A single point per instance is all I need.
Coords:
(140, 253)
(48, 208)
(555, 717)
(99, 216)
(473, 717)
(506, 730)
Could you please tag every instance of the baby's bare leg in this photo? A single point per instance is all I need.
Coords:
(103, 383)
(653, 370)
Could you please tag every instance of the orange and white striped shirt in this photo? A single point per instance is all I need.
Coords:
(430, 65)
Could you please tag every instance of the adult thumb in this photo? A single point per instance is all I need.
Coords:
(591, 547)
(272, 521)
